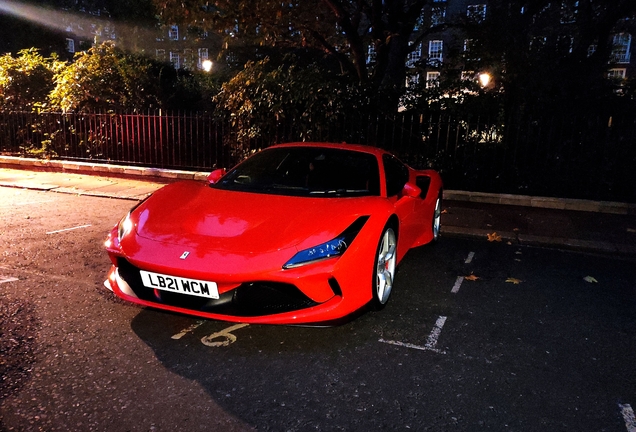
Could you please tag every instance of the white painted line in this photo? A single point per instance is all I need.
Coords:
(4, 279)
(185, 331)
(437, 329)
(68, 229)
(458, 283)
(628, 416)
(430, 343)
(471, 255)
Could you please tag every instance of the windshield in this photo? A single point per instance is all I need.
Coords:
(306, 171)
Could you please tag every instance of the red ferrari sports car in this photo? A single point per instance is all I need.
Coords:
(298, 233)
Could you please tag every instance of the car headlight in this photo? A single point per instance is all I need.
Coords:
(124, 227)
(330, 249)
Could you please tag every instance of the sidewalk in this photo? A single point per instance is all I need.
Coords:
(590, 226)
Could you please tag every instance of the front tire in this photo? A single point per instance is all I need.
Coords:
(384, 268)
(437, 218)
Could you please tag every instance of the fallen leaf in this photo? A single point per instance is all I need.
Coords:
(631, 230)
(494, 237)
(509, 243)
(517, 259)
(472, 277)
(590, 279)
(518, 253)
(514, 281)
(515, 230)
(444, 211)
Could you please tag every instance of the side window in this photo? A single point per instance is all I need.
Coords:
(397, 174)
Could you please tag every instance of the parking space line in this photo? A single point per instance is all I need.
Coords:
(431, 342)
(628, 416)
(4, 279)
(68, 229)
(458, 283)
(470, 257)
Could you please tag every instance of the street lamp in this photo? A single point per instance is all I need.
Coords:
(206, 65)
(484, 79)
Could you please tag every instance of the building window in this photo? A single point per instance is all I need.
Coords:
(371, 54)
(438, 15)
(569, 11)
(591, 50)
(621, 46)
(617, 74)
(412, 80)
(435, 51)
(160, 54)
(414, 56)
(70, 45)
(565, 44)
(203, 56)
(476, 12)
(175, 59)
(537, 43)
(432, 79)
(468, 76)
(173, 33)
(187, 58)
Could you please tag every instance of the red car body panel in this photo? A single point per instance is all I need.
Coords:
(234, 238)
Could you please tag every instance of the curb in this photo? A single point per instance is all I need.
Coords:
(168, 175)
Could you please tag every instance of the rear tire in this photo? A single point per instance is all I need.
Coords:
(384, 268)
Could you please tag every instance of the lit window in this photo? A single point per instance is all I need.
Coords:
(621, 46)
(476, 12)
(438, 15)
(173, 33)
(569, 11)
(618, 74)
(70, 45)
(435, 51)
(175, 59)
(203, 56)
(412, 80)
(414, 56)
(371, 54)
(432, 79)
(468, 76)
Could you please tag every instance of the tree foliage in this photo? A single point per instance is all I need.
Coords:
(26, 80)
(106, 78)
(263, 97)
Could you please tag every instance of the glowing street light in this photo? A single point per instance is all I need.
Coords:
(484, 79)
(206, 65)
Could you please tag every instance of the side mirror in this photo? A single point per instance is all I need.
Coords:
(216, 175)
(411, 190)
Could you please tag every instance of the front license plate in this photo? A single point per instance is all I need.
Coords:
(179, 285)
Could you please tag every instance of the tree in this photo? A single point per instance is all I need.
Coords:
(554, 55)
(347, 31)
(106, 78)
(289, 101)
(26, 80)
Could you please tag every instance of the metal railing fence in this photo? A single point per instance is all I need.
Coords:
(592, 157)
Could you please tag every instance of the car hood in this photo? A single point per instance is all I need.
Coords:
(195, 215)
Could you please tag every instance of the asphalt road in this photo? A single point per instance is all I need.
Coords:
(551, 352)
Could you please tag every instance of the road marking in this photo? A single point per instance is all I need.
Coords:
(431, 342)
(68, 229)
(628, 416)
(185, 331)
(4, 279)
(458, 283)
(471, 255)
(226, 334)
